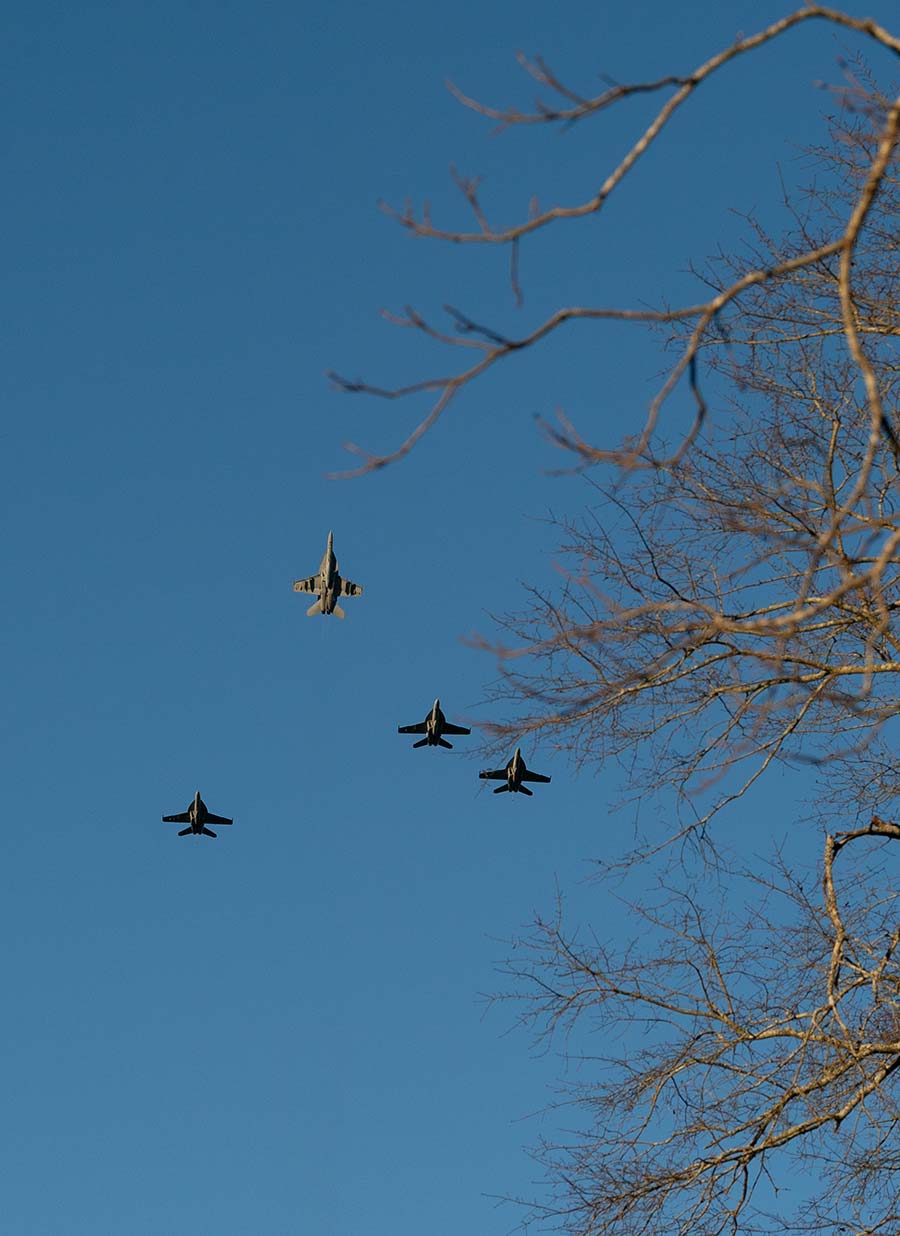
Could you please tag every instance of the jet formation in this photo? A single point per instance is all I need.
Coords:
(196, 817)
(433, 727)
(513, 774)
(327, 584)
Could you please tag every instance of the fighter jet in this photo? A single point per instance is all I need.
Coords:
(196, 817)
(513, 774)
(433, 727)
(328, 585)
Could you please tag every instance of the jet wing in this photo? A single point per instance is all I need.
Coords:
(498, 775)
(412, 729)
(217, 819)
(307, 585)
(183, 818)
(455, 729)
(530, 776)
(350, 590)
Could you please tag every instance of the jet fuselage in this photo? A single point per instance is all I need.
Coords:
(328, 565)
(434, 724)
(514, 770)
(329, 579)
(197, 811)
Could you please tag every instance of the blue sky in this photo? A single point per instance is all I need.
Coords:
(281, 1031)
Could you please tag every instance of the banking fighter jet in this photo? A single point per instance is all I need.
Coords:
(328, 585)
(513, 774)
(433, 727)
(196, 817)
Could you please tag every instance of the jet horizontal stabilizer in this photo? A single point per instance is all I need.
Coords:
(208, 832)
(184, 832)
(443, 743)
(423, 742)
(315, 608)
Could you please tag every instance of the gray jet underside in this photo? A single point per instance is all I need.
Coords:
(513, 774)
(433, 727)
(327, 584)
(196, 817)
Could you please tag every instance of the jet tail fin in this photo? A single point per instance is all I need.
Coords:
(338, 612)
(420, 743)
(208, 832)
(315, 608)
(443, 743)
(184, 832)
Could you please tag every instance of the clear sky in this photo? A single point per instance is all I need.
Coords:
(280, 1031)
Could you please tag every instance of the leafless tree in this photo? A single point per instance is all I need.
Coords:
(743, 586)
(571, 108)
(736, 605)
(749, 1054)
(729, 601)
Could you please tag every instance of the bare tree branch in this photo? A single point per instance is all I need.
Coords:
(705, 316)
(751, 1045)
